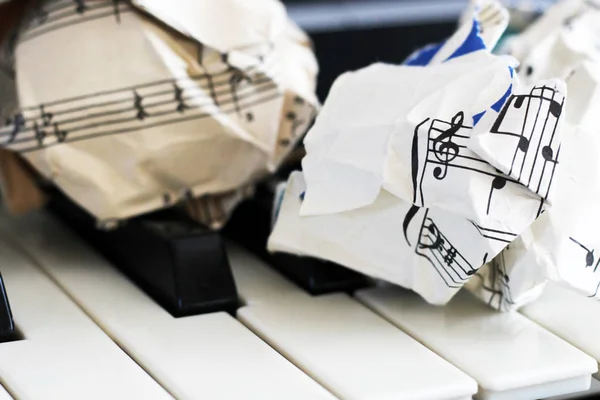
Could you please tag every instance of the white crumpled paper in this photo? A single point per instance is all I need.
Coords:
(129, 107)
(562, 245)
(421, 174)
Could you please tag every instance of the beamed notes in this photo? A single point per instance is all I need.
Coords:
(524, 140)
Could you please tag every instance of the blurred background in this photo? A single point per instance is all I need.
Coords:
(347, 34)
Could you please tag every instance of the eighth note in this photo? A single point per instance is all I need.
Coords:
(446, 151)
(498, 183)
(589, 256)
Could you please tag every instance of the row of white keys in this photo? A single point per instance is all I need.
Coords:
(341, 344)
(64, 355)
(510, 356)
(570, 315)
(209, 356)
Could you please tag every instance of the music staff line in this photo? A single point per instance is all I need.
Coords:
(53, 6)
(50, 117)
(129, 89)
(235, 108)
(43, 28)
(80, 9)
(489, 233)
(151, 125)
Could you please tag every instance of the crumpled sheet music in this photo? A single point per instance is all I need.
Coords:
(129, 107)
(562, 244)
(421, 174)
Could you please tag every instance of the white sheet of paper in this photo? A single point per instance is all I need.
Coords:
(561, 244)
(422, 174)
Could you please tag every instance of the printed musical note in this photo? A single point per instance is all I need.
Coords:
(137, 104)
(60, 134)
(433, 245)
(40, 134)
(18, 123)
(237, 77)
(498, 183)
(54, 16)
(117, 12)
(496, 283)
(46, 116)
(80, 6)
(590, 258)
(181, 106)
(540, 112)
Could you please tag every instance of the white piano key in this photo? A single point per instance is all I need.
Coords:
(257, 283)
(210, 356)
(570, 315)
(341, 344)
(338, 341)
(594, 390)
(353, 352)
(64, 354)
(510, 356)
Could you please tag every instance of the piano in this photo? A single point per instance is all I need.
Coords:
(161, 308)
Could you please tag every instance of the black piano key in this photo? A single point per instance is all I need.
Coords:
(180, 264)
(250, 226)
(8, 331)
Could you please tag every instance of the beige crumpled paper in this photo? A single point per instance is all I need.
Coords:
(132, 108)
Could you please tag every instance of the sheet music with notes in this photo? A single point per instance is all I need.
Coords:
(129, 107)
(562, 245)
(459, 168)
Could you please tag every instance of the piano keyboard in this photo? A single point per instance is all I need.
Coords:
(91, 333)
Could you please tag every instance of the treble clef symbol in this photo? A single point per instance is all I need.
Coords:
(446, 151)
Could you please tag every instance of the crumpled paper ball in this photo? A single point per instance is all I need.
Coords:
(563, 244)
(423, 175)
(129, 107)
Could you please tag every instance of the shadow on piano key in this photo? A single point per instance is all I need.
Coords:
(250, 226)
(8, 330)
(180, 264)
